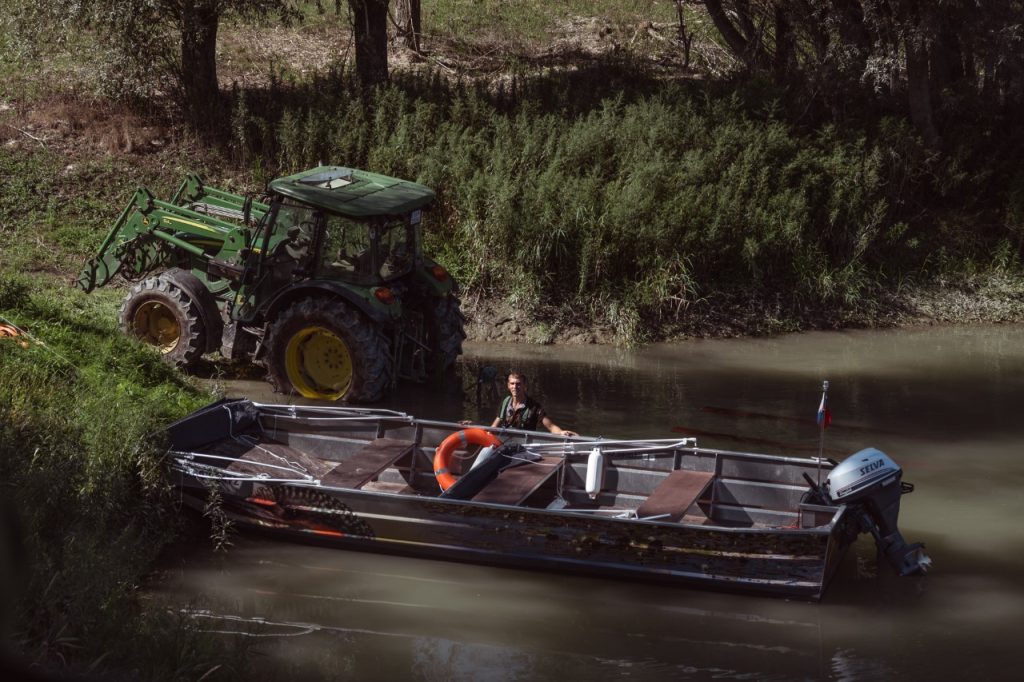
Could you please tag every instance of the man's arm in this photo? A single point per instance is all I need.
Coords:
(555, 428)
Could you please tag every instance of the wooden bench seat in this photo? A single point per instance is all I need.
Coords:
(675, 494)
(515, 484)
(368, 463)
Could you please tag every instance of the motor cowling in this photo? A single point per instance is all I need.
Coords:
(872, 483)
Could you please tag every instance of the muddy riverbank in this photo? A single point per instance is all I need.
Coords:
(989, 299)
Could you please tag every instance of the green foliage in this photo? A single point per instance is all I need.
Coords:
(81, 413)
(13, 293)
(641, 206)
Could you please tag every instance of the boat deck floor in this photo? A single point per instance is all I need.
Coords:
(266, 456)
(390, 487)
(354, 472)
(674, 500)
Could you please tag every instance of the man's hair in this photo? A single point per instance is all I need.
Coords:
(515, 373)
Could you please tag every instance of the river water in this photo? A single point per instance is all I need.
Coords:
(941, 401)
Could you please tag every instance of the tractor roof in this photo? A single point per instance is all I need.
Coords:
(354, 193)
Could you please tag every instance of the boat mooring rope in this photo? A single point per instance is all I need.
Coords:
(10, 330)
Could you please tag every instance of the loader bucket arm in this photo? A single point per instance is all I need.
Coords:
(100, 269)
(149, 231)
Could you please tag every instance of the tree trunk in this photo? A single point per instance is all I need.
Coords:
(919, 91)
(733, 38)
(370, 25)
(685, 37)
(946, 56)
(199, 24)
(409, 23)
(785, 51)
(916, 39)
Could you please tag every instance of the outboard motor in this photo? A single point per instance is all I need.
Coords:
(871, 481)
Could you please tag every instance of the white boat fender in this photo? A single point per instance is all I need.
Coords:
(595, 473)
(482, 456)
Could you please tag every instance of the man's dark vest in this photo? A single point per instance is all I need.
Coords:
(528, 416)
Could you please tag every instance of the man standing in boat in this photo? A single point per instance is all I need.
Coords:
(520, 411)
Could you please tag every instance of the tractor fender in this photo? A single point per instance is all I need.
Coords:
(208, 311)
(439, 287)
(375, 311)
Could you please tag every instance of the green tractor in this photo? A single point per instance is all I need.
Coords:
(323, 281)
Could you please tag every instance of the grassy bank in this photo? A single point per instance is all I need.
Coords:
(86, 510)
(583, 183)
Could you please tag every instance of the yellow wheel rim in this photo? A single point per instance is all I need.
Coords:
(154, 323)
(319, 364)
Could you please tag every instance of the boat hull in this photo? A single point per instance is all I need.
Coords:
(789, 563)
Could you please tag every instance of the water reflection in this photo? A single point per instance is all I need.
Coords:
(940, 401)
(382, 617)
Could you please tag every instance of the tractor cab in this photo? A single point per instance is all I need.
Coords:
(314, 244)
(353, 226)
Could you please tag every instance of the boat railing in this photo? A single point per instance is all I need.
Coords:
(346, 412)
(533, 439)
(727, 470)
(327, 415)
(187, 463)
(626, 446)
(728, 467)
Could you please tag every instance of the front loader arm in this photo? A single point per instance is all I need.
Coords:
(150, 232)
(196, 195)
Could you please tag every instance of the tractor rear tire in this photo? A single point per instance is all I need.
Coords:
(161, 314)
(324, 350)
(447, 330)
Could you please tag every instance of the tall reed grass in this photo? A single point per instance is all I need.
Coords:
(643, 204)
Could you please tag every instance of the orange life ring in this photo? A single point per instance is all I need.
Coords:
(459, 439)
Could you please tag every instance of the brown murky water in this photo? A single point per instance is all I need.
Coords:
(942, 402)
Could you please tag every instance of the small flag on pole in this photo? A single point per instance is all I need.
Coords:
(824, 419)
(824, 414)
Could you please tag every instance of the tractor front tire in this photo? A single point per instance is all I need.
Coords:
(447, 330)
(161, 314)
(324, 350)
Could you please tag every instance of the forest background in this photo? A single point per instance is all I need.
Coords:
(606, 170)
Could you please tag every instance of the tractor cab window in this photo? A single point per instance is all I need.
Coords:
(366, 253)
(294, 230)
(347, 251)
(396, 247)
